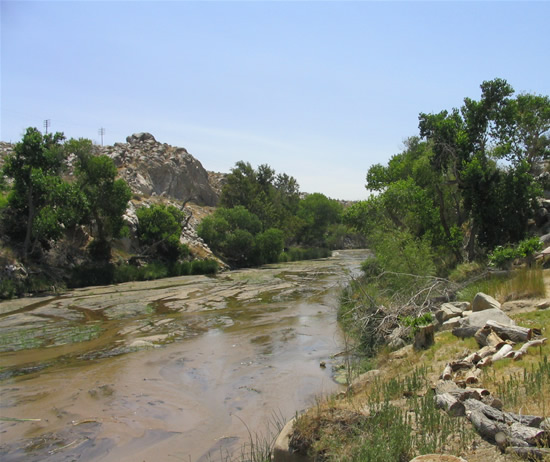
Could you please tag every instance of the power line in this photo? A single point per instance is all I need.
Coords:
(47, 123)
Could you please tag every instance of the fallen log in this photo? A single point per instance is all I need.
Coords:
(531, 435)
(485, 427)
(461, 394)
(523, 350)
(487, 411)
(502, 416)
(473, 376)
(517, 334)
(487, 351)
(500, 354)
(451, 404)
(529, 453)
(447, 373)
(462, 364)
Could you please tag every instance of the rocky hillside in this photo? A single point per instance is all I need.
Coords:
(160, 173)
(153, 168)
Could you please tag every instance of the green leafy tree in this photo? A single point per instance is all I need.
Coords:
(107, 197)
(272, 198)
(41, 205)
(317, 213)
(496, 203)
(231, 233)
(268, 245)
(159, 229)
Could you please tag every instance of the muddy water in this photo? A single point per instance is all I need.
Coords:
(177, 369)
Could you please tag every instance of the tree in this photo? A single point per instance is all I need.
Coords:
(272, 198)
(160, 228)
(231, 233)
(40, 204)
(107, 197)
(317, 213)
(465, 142)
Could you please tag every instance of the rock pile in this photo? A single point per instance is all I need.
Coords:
(155, 169)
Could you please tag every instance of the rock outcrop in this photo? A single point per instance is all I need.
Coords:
(157, 169)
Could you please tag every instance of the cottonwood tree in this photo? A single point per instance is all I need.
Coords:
(41, 204)
(106, 196)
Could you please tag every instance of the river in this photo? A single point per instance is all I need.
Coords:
(175, 369)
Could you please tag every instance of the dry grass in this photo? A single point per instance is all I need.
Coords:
(392, 417)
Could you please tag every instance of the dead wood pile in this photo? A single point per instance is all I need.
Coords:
(460, 394)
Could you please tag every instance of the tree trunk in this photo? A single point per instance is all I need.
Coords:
(515, 333)
(451, 404)
(30, 220)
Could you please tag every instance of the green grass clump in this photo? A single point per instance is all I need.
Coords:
(389, 428)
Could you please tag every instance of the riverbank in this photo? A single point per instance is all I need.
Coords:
(389, 413)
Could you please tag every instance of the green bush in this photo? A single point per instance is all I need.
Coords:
(160, 228)
(503, 256)
(416, 322)
(99, 274)
(8, 289)
(204, 266)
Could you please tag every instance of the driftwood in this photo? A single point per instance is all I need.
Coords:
(473, 376)
(486, 336)
(529, 453)
(447, 373)
(521, 434)
(523, 350)
(500, 354)
(515, 333)
(450, 403)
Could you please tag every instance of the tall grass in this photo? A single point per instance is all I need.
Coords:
(518, 284)
(388, 428)
(526, 391)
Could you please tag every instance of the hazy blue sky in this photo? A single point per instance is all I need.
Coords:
(318, 90)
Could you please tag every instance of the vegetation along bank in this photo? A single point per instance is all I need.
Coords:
(433, 364)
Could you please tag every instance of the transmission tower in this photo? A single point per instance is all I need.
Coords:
(47, 123)
(101, 132)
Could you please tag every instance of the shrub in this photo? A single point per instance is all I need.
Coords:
(160, 228)
(503, 256)
(204, 266)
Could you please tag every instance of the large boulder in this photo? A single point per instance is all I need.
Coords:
(450, 310)
(281, 449)
(484, 302)
(155, 169)
(479, 319)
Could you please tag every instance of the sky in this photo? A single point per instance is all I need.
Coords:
(318, 90)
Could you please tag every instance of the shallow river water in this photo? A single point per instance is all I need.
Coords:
(175, 369)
